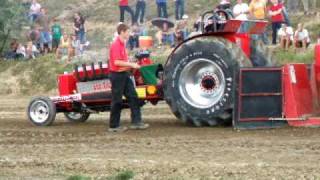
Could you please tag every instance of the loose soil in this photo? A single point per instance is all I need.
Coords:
(168, 150)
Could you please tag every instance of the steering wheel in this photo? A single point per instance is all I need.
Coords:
(216, 18)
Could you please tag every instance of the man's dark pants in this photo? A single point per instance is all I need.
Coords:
(162, 10)
(123, 9)
(275, 28)
(122, 84)
(179, 9)
(140, 10)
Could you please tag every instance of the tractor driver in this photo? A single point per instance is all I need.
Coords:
(122, 84)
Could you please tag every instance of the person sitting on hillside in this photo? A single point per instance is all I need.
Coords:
(12, 53)
(31, 51)
(165, 36)
(301, 37)
(285, 34)
(21, 52)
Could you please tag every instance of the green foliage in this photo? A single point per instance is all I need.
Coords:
(12, 19)
(78, 177)
(122, 175)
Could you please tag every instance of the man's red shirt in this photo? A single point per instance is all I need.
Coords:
(278, 17)
(117, 52)
(123, 3)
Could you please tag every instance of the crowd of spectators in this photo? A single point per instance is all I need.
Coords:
(47, 35)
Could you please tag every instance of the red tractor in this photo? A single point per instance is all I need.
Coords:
(210, 79)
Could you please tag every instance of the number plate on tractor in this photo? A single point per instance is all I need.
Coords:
(94, 86)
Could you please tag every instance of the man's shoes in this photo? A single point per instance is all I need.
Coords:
(140, 126)
(118, 129)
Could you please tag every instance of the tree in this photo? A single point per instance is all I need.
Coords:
(12, 19)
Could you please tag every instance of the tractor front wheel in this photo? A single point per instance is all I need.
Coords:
(41, 111)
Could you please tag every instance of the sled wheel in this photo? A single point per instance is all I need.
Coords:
(41, 111)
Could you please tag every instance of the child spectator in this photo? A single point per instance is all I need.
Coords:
(74, 46)
(162, 8)
(165, 36)
(140, 11)
(45, 36)
(124, 6)
(301, 37)
(276, 13)
(31, 51)
(56, 35)
(285, 35)
(80, 30)
(35, 10)
(179, 10)
(64, 45)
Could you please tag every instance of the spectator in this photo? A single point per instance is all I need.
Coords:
(182, 29)
(74, 47)
(56, 35)
(140, 11)
(35, 10)
(80, 30)
(301, 37)
(45, 36)
(257, 11)
(34, 35)
(162, 8)
(318, 40)
(12, 53)
(64, 47)
(224, 5)
(276, 13)
(165, 36)
(133, 41)
(21, 52)
(179, 9)
(31, 51)
(241, 11)
(124, 6)
(285, 35)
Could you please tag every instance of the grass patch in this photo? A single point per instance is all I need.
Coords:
(284, 57)
(122, 175)
(78, 177)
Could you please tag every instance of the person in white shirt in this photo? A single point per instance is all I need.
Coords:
(301, 37)
(285, 34)
(241, 11)
(35, 10)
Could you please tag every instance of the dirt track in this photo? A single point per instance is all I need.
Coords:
(168, 150)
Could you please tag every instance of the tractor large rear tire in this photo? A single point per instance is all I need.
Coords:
(199, 80)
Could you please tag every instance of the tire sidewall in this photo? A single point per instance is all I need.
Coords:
(52, 111)
(224, 63)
